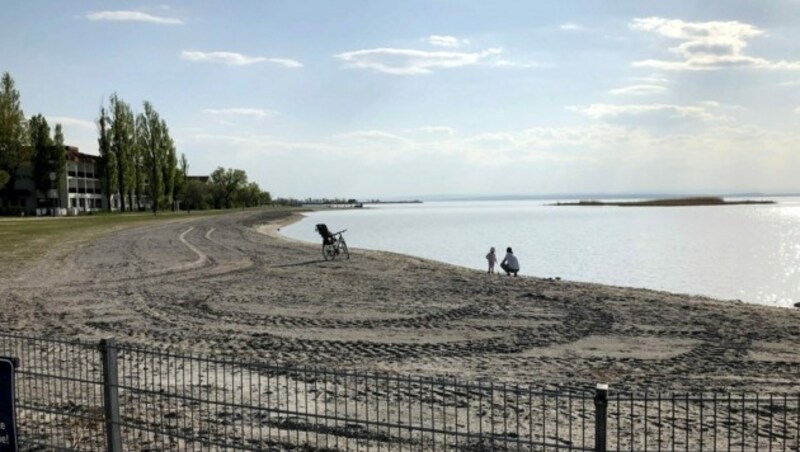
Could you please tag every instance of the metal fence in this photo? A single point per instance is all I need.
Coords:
(74, 395)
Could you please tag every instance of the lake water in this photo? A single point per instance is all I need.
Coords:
(746, 252)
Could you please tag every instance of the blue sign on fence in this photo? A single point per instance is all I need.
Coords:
(8, 430)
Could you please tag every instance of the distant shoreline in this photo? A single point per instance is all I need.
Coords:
(669, 202)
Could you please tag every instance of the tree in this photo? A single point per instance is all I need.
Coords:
(149, 132)
(226, 186)
(251, 195)
(184, 167)
(138, 171)
(108, 160)
(42, 144)
(49, 154)
(197, 195)
(169, 165)
(143, 152)
(59, 155)
(122, 139)
(264, 198)
(181, 173)
(14, 149)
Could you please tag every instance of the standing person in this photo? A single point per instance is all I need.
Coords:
(492, 258)
(510, 263)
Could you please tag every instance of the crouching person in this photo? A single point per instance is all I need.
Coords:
(510, 263)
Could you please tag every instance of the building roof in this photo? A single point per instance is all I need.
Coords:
(73, 155)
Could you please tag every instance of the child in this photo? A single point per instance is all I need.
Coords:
(492, 258)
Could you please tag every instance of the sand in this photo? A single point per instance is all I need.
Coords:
(231, 286)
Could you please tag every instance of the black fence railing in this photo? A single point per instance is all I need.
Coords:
(74, 395)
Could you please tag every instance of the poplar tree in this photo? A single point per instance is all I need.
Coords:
(41, 145)
(139, 171)
(4, 177)
(184, 167)
(170, 164)
(149, 131)
(108, 160)
(59, 156)
(48, 154)
(122, 143)
(138, 155)
(14, 149)
(180, 179)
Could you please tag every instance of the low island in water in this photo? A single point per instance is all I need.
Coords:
(667, 202)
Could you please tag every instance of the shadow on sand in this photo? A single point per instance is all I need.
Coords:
(298, 264)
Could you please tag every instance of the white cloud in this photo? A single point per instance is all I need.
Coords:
(412, 62)
(652, 79)
(66, 121)
(571, 27)
(639, 90)
(650, 84)
(789, 84)
(258, 144)
(446, 41)
(132, 16)
(502, 62)
(538, 139)
(494, 139)
(235, 59)
(706, 45)
(719, 105)
(373, 145)
(678, 29)
(286, 62)
(261, 140)
(598, 157)
(536, 142)
(611, 111)
(434, 130)
(373, 136)
(797, 110)
(252, 112)
(229, 58)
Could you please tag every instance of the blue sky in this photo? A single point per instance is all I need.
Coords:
(388, 98)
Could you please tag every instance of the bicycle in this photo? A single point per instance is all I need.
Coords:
(333, 244)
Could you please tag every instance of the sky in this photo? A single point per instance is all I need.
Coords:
(364, 99)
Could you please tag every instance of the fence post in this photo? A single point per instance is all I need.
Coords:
(600, 417)
(108, 350)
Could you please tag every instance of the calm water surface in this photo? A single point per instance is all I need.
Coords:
(750, 253)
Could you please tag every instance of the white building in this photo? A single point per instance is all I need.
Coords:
(78, 191)
(81, 188)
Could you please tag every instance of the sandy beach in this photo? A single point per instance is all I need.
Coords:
(232, 286)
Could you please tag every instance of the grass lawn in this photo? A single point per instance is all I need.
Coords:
(24, 239)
